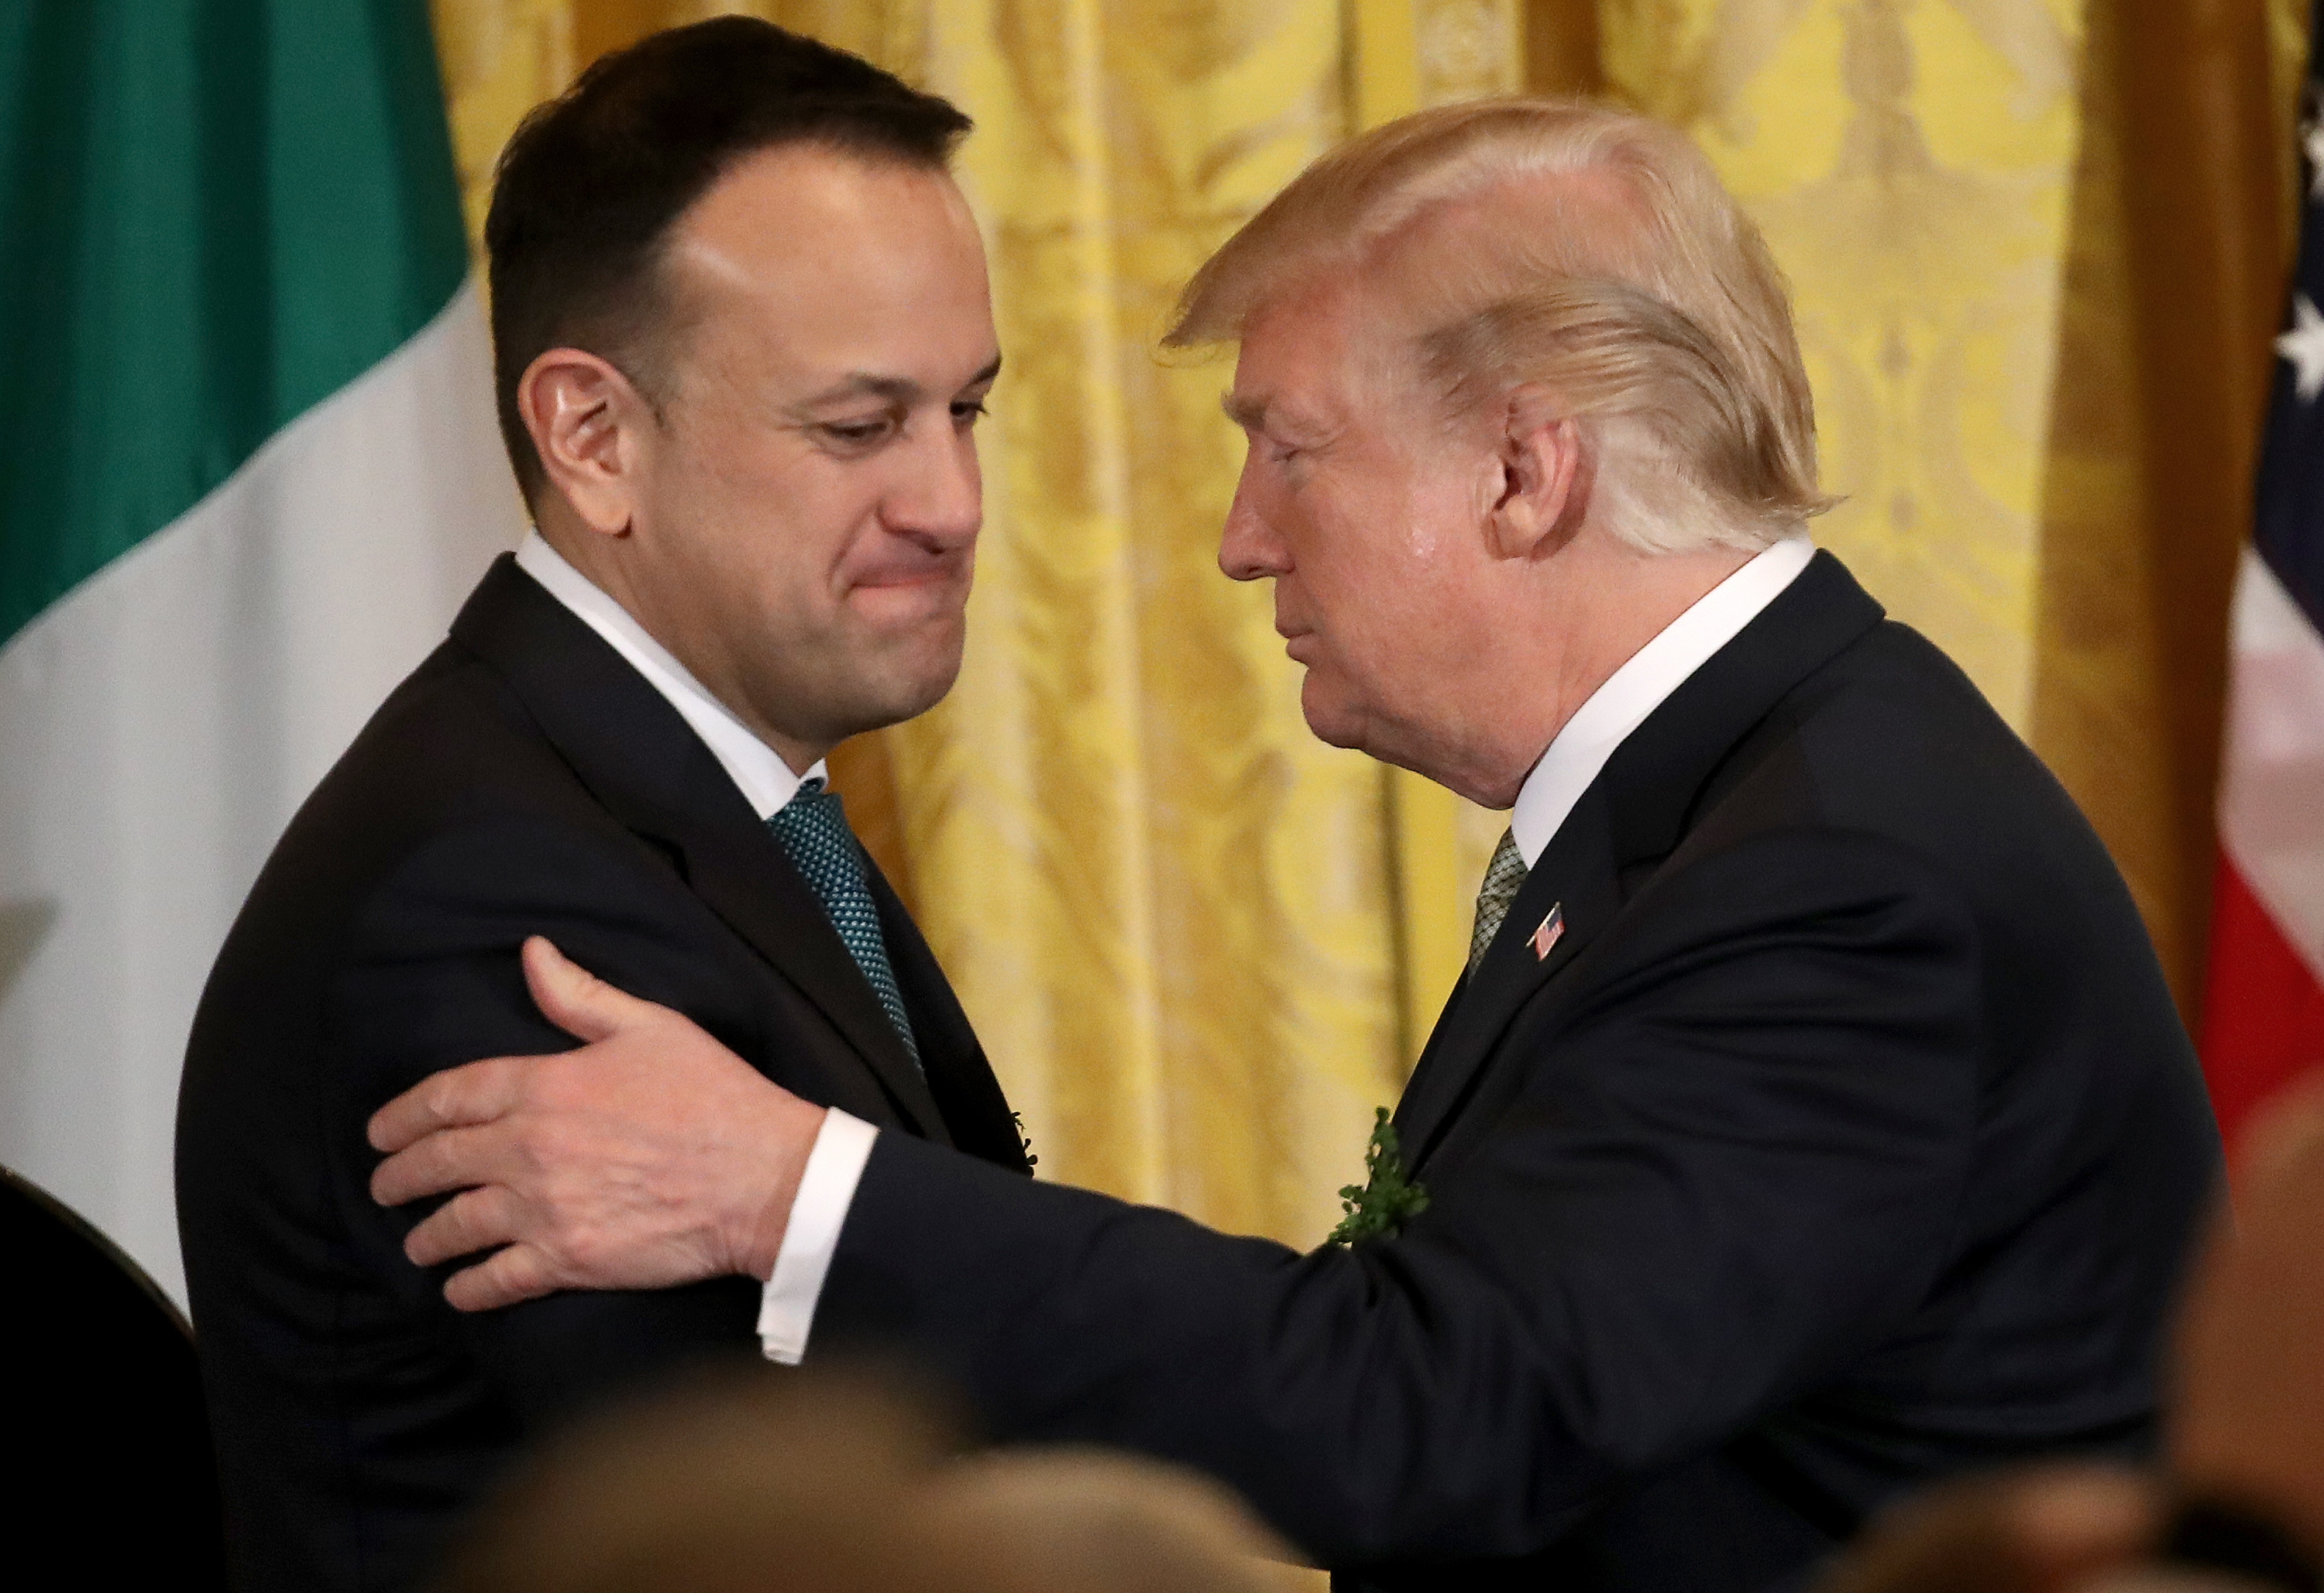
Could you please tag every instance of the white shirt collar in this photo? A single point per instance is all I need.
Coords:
(1640, 687)
(766, 782)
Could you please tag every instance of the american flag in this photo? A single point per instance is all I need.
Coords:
(2264, 1011)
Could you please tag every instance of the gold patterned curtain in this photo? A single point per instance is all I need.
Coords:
(1199, 946)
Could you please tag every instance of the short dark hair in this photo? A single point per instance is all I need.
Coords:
(591, 182)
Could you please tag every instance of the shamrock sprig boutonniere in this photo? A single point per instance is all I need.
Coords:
(1024, 1140)
(1386, 1200)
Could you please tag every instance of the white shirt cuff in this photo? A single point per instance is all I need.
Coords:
(826, 1189)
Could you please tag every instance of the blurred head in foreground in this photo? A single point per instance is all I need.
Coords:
(845, 1484)
(1517, 369)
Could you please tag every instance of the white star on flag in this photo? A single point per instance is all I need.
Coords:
(2311, 140)
(2303, 345)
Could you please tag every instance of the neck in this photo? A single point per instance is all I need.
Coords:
(1574, 625)
(597, 557)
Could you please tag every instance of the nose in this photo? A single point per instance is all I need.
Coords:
(942, 504)
(1249, 547)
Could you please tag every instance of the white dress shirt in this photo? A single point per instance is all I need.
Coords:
(1574, 757)
(1638, 688)
(787, 1305)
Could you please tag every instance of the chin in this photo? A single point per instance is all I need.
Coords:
(921, 697)
(1335, 721)
(917, 676)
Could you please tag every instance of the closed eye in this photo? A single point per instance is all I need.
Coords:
(866, 432)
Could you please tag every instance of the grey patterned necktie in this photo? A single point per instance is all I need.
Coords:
(812, 829)
(1505, 876)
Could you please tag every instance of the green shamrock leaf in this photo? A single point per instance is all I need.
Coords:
(1386, 1200)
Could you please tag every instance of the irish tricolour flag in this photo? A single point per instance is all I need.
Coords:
(247, 471)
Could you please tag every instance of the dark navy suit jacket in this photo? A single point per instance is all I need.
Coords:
(1847, 1137)
(524, 780)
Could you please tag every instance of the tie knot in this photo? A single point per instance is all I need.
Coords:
(812, 828)
(816, 814)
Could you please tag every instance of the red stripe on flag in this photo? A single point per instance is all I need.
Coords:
(2264, 1011)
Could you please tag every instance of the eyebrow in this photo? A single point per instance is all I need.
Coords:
(901, 391)
(1249, 413)
(1282, 422)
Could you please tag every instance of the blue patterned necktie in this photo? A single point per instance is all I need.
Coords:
(812, 829)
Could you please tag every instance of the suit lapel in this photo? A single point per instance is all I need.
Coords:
(1633, 814)
(646, 766)
(751, 885)
(1576, 877)
(958, 1077)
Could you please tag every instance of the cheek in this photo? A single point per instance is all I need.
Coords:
(715, 502)
(1394, 627)
(1370, 589)
(795, 525)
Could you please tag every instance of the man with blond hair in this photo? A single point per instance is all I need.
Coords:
(1812, 1118)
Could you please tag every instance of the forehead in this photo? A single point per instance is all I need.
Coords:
(816, 248)
(799, 185)
(1308, 346)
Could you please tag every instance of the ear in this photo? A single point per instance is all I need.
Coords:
(589, 424)
(1544, 478)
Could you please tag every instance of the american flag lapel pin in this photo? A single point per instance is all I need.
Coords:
(1546, 935)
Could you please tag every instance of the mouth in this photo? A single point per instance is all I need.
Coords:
(911, 599)
(910, 581)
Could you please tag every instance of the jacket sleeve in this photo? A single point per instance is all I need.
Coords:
(430, 979)
(1738, 1163)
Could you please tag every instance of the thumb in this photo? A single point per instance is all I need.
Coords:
(574, 999)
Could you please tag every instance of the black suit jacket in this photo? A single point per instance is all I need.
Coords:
(1847, 1137)
(524, 780)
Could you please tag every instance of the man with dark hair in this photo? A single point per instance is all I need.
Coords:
(743, 335)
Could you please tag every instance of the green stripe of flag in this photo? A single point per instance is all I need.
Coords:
(213, 214)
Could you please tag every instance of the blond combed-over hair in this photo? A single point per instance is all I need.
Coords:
(1583, 250)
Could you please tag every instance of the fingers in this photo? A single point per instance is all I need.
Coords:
(516, 1273)
(477, 1220)
(452, 1159)
(576, 1000)
(650, 1157)
(571, 997)
(476, 1093)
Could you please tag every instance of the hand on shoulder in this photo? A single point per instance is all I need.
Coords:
(650, 1157)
